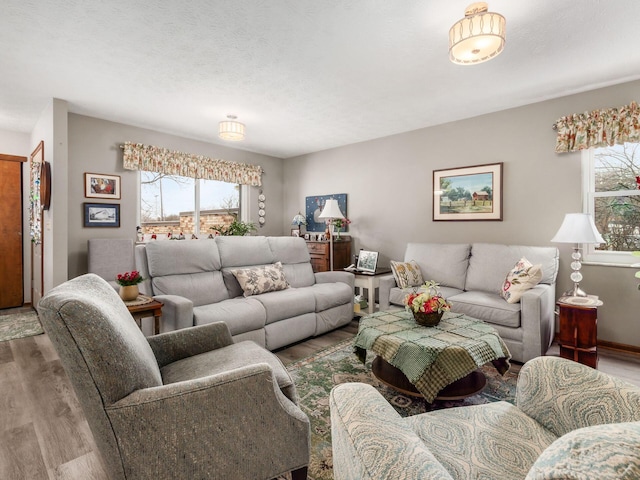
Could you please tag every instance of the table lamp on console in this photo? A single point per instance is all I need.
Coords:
(331, 212)
(577, 228)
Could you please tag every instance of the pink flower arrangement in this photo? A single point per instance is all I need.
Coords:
(341, 222)
(129, 278)
(426, 302)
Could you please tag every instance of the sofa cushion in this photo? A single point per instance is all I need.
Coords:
(287, 303)
(522, 277)
(329, 295)
(407, 274)
(263, 279)
(240, 314)
(243, 251)
(201, 288)
(397, 295)
(494, 440)
(490, 262)
(444, 263)
(181, 257)
(488, 307)
(605, 452)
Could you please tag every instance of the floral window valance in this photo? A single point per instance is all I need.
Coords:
(598, 128)
(161, 160)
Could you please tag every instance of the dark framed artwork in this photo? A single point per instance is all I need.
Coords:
(102, 215)
(98, 185)
(468, 193)
(314, 206)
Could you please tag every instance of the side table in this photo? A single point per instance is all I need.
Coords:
(370, 281)
(150, 309)
(578, 336)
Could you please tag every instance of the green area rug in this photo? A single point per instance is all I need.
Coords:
(315, 376)
(19, 325)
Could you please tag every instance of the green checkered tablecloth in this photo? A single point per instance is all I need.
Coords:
(431, 357)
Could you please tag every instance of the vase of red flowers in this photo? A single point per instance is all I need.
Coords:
(128, 282)
(427, 306)
(339, 223)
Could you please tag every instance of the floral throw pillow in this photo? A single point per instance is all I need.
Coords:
(257, 280)
(520, 279)
(407, 274)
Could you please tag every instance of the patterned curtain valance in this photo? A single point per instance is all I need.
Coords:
(155, 159)
(598, 128)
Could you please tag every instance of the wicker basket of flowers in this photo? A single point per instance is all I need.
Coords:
(427, 306)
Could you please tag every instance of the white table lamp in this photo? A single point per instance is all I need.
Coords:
(577, 228)
(330, 212)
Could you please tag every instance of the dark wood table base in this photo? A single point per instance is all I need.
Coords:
(391, 376)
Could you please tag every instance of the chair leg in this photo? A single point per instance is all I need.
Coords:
(299, 474)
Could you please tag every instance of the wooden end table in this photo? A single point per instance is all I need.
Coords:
(578, 336)
(151, 309)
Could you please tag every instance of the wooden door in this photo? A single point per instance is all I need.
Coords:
(11, 265)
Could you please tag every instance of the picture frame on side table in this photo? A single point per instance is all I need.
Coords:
(367, 261)
(98, 185)
(102, 215)
(468, 193)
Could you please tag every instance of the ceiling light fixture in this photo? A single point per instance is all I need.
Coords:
(231, 130)
(478, 37)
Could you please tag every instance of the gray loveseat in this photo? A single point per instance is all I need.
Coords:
(194, 280)
(471, 277)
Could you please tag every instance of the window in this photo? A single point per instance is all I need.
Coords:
(175, 204)
(612, 196)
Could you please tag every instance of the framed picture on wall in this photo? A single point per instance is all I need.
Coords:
(102, 215)
(98, 185)
(314, 206)
(468, 193)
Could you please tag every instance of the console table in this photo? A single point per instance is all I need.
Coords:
(319, 252)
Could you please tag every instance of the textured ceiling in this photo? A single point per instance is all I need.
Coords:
(303, 75)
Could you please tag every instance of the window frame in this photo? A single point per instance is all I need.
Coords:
(589, 194)
(242, 193)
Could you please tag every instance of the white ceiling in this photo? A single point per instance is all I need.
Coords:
(303, 75)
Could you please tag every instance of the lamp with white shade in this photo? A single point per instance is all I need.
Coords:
(577, 228)
(330, 212)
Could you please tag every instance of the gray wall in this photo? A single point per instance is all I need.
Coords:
(94, 146)
(389, 187)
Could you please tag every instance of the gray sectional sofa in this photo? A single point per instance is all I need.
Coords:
(194, 280)
(471, 277)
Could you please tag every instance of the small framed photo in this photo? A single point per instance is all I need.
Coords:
(295, 232)
(367, 261)
(97, 185)
(102, 215)
(468, 193)
(307, 236)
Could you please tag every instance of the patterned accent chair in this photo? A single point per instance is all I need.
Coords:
(185, 404)
(569, 422)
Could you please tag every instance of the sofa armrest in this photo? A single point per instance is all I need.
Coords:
(563, 395)
(537, 319)
(173, 346)
(332, 277)
(362, 450)
(196, 426)
(177, 312)
(387, 282)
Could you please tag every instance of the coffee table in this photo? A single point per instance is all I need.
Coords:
(438, 362)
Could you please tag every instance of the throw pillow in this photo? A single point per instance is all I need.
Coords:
(257, 280)
(520, 279)
(407, 274)
(605, 452)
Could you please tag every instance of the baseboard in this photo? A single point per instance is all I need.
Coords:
(620, 347)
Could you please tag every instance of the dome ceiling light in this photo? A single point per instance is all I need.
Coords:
(478, 37)
(231, 130)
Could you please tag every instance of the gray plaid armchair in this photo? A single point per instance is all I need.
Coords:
(188, 404)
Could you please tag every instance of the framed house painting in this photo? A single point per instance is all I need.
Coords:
(102, 215)
(97, 185)
(468, 193)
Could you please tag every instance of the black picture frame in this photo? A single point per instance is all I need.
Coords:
(102, 215)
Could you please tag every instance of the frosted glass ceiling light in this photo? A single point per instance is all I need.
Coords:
(231, 130)
(478, 37)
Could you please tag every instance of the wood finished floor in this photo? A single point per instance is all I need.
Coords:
(43, 432)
